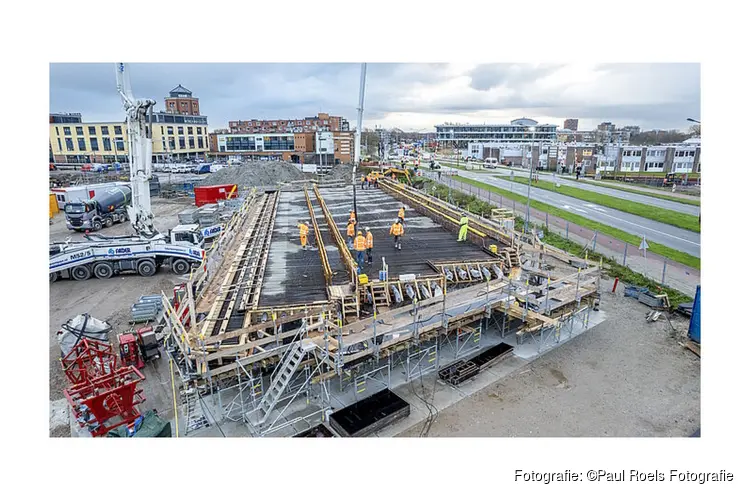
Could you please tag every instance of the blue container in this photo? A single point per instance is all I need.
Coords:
(383, 275)
(694, 331)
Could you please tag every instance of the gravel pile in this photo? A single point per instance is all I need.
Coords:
(339, 173)
(256, 173)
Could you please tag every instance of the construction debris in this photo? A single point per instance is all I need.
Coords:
(81, 327)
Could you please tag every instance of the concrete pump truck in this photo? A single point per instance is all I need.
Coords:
(147, 250)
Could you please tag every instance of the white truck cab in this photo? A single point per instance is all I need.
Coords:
(186, 235)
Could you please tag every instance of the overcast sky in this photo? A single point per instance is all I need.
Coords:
(407, 96)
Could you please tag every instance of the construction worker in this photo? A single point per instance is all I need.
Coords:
(352, 217)
(401, 214)
(369, 180)
(397, 230)
(369, 241)
(362, 185)
(463, 228)
(303, 230)
(360, 245)
(350, 232)
(375, 178)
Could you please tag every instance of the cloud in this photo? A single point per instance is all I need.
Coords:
(403, 95)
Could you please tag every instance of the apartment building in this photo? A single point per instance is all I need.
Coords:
(174, 135)
(323, 122)
(522, 130)
(679, 158)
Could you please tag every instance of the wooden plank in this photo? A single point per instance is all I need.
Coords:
(692, 346)
(229, 351)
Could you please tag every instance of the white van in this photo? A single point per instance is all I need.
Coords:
(490, 162)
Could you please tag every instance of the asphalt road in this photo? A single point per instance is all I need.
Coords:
(640, 198)
(671, 236)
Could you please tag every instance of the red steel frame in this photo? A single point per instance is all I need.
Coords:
(108, 401)
(88, 359)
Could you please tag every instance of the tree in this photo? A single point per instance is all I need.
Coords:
(654, 137)
(695, 130)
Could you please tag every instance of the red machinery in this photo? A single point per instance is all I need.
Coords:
(106, 402)
(138, 347)
(130, 351)
(179, 293)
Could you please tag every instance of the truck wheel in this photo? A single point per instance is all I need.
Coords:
(108, 222)
(53, 277)
(146, 267)
(103, 270)
(180, 266)
(97, 225)
(81, 273)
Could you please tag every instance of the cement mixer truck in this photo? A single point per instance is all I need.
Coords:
(103, 210)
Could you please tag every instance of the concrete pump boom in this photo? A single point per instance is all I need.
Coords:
(139, 117)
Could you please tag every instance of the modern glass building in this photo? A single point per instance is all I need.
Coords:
(522, 130)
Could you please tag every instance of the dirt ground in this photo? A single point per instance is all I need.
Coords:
(624, 377)
(108, 300)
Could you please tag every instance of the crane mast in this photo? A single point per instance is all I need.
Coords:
(139, 114)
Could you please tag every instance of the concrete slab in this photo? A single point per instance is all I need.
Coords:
(423, 239)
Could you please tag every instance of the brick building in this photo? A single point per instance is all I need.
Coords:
(571, 124)
(181, 102)
(321, 123)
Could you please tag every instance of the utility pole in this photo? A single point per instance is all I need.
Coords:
(528, 193)
(358, 135)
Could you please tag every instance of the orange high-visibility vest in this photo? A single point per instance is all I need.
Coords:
(352, 217)
(401, 212)
(350, 230)
(369, 239)
(303, 229)
(359, 243)
(397, 229)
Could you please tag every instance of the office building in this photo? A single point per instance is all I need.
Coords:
(523, 130)
(174, 135)
(322, 147)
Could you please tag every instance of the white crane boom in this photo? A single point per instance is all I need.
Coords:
(139, 118)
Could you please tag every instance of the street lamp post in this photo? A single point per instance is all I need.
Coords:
(528, 192)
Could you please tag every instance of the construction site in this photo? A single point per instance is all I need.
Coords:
(327, 305)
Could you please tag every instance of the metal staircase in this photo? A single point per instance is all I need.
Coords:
(195, 418)
(283, 375)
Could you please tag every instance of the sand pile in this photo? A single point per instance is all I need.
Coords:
(256, 173)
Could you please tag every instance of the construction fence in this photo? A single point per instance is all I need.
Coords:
(660, 269)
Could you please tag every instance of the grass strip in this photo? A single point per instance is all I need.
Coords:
(615, 270)
(671, 217)
(657, 248)
(616, 185)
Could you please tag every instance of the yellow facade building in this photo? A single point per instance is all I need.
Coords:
(176, 135)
